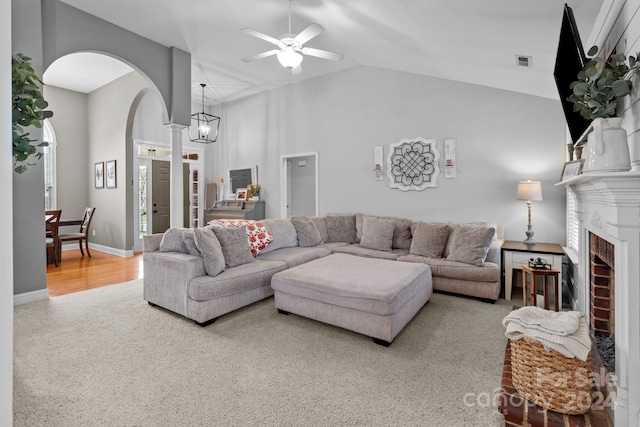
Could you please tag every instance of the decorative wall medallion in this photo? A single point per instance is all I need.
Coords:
(595, 220)
(413, 164)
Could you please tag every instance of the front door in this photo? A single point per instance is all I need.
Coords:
(160, 195)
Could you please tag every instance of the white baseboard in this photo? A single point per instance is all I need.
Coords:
(27, 297)
(101, 248)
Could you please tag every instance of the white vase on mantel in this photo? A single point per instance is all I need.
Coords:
(607, 149)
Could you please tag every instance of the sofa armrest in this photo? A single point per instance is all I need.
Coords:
(167, 276)
(494, 255)
(151, 242)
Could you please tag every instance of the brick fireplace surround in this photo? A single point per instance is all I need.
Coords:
(608, 206)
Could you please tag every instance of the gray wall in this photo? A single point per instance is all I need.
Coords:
(108, 117)
(502, 137)
(73, 178)
(6, 226)
(29, 254)
(303, 178)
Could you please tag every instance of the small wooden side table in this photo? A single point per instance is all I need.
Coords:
(529, 293)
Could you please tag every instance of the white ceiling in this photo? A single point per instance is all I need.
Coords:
(474, 41)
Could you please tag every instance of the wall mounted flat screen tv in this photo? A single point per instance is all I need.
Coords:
(570, 59)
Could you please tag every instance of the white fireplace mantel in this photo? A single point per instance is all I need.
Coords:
(608, 205)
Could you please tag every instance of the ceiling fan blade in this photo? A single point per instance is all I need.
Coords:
(260, 55)
(324, 54)
(297, 70)
(262, 36)
(308, 33)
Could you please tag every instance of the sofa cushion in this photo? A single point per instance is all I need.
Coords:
(470, 244)
(321, 224)
(356, 249)
(190, 242)
(258, 235)
(377, 233)
(401, 232)
(341, 228)
(210, 249)
(283, 232)
(235, 245)
(295, 256)
(429, 239)
(234, 281)
(173, 240)
(489, 272)
(308, 233)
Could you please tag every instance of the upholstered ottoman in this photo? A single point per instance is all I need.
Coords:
(374, 297)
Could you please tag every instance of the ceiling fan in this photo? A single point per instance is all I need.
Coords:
(291, 48)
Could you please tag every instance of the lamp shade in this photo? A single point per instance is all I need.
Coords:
(530, 190)
(289, 58)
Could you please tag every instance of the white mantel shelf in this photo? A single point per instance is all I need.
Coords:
(599, 176)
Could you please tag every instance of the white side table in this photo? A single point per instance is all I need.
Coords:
(516, 253)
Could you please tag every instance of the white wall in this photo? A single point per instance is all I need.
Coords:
(502, 137)
(6, 226)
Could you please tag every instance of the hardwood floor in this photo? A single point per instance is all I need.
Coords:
(77, 273)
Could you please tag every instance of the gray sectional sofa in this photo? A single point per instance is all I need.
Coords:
(203, 274)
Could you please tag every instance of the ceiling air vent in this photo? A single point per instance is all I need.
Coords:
(524, 61)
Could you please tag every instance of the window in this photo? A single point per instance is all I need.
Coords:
(572, 222)
(49, 160)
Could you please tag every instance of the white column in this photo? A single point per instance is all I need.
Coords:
(177, 208)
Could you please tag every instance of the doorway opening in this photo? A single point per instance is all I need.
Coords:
(299, 184)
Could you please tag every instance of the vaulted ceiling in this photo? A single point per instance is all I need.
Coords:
(474, 41)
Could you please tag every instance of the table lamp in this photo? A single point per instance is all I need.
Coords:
(529, 191)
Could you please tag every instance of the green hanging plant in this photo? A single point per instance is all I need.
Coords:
(28, 109)
(601, 83)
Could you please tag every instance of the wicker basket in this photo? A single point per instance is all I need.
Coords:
(549, 379)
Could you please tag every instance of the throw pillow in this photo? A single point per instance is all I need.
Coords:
(308, 233)
(429, 239)
(470, 244)
(235, 246)
(258, 235)
(377, 233)
(210, 249)
(190, 243)
(321, 224)
(283, 232)
(401, 232)
(173, 241)
(341, 228)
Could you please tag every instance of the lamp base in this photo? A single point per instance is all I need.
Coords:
(529, 240)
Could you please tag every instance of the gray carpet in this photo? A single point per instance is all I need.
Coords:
(104, 357)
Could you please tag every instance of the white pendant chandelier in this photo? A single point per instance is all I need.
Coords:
(204, 126)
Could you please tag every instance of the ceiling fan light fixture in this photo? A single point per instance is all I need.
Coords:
(289, 58)
(204, 126)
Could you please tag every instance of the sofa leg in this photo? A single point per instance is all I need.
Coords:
(207, 323)
(286, 313)
(381, 342)
(152, 304)
(488, 300)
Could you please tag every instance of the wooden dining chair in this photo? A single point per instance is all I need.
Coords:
(83, 233)
(52, 237)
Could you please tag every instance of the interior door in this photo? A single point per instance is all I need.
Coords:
(288, 189)
(160, 195)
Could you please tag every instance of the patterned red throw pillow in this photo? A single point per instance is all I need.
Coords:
(259, 236)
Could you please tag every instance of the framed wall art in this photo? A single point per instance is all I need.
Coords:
(110, 173)
(241, 193)
(572, 168)
(98, 174)
(413, 164)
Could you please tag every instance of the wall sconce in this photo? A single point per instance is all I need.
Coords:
(529, 191)
(378, 152)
